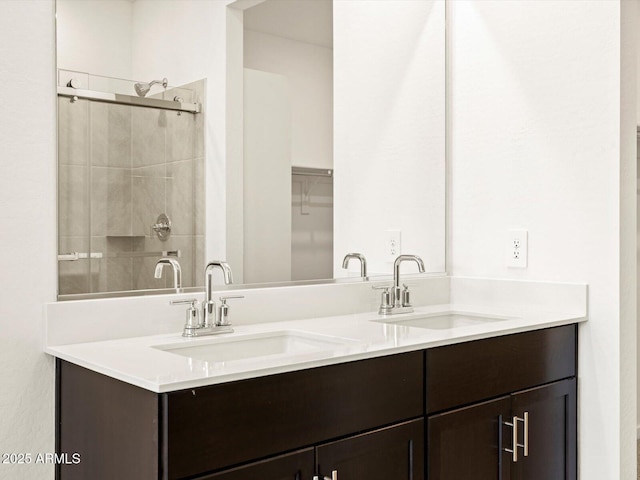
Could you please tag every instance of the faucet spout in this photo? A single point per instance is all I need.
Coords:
(397, 293)
(363, 263)
(209, 306)
(177, 271)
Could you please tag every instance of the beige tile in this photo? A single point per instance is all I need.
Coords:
(73, 276)
(114, 274)
(180, 197)
(197, 94)
(111, 201)
(110, 135)
(199, 90)
(184, 92)
(120, 136)
(73, 200)
(199, 197)
(99, 133)
(198, 142)
(73, 132)
(199, 261)
(180, 136)
(148, 197)
(148, 131)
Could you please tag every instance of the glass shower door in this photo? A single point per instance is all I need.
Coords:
(120, 168)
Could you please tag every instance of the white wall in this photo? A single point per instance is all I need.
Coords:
(536, 144)
(94, 36)
(636, 22)
(267, 177)
(309, 70)
(628, 240)
(389, 154)
(28, 238)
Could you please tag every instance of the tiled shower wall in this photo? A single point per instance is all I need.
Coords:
(119, 167)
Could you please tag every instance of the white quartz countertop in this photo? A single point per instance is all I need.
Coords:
(144, 361)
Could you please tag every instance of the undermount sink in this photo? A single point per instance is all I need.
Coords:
(270, 344)
(444, 321)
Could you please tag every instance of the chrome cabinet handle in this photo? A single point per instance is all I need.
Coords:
(525, 445)
(334, 476)
(514, 442)
(526, 434)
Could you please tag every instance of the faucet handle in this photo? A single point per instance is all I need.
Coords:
(192, 301)
(228, 297)
(193, 316)
(385, 300)
(223, 309)
(406, 300)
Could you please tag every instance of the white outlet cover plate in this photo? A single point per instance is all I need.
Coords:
(393, 244)
(516, 248)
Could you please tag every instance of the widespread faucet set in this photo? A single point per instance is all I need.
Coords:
(213, 321)
(398, 300)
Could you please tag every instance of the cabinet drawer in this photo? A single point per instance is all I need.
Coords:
(215, 427)
(473, 371)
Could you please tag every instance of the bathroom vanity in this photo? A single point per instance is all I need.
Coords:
(438, 413)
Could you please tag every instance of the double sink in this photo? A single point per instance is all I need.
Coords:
(281, 344)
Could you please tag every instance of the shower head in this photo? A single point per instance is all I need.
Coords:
(143, 88)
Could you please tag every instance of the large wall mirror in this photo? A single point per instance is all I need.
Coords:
(277, 135)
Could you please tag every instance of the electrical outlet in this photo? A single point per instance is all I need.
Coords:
(393, 244)
(516, 248)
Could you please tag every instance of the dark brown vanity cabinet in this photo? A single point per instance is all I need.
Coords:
(477, 441)
(475, 438)
(125, 432)
(433, 414)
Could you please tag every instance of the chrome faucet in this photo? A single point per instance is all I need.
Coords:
(398, 301)
(210, 323)
(363, 263)
(177, 271)
(193, 327)
(209, 306)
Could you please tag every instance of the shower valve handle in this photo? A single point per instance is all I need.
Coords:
(162, 227)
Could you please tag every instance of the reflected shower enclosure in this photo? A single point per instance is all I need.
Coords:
(131, 186)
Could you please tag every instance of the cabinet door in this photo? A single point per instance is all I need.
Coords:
(467, 443)
(395, 452)
(551, 432)
(294, 466)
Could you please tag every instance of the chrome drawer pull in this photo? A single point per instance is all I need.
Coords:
(525, 445)
(526, 434)
(334, 476)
